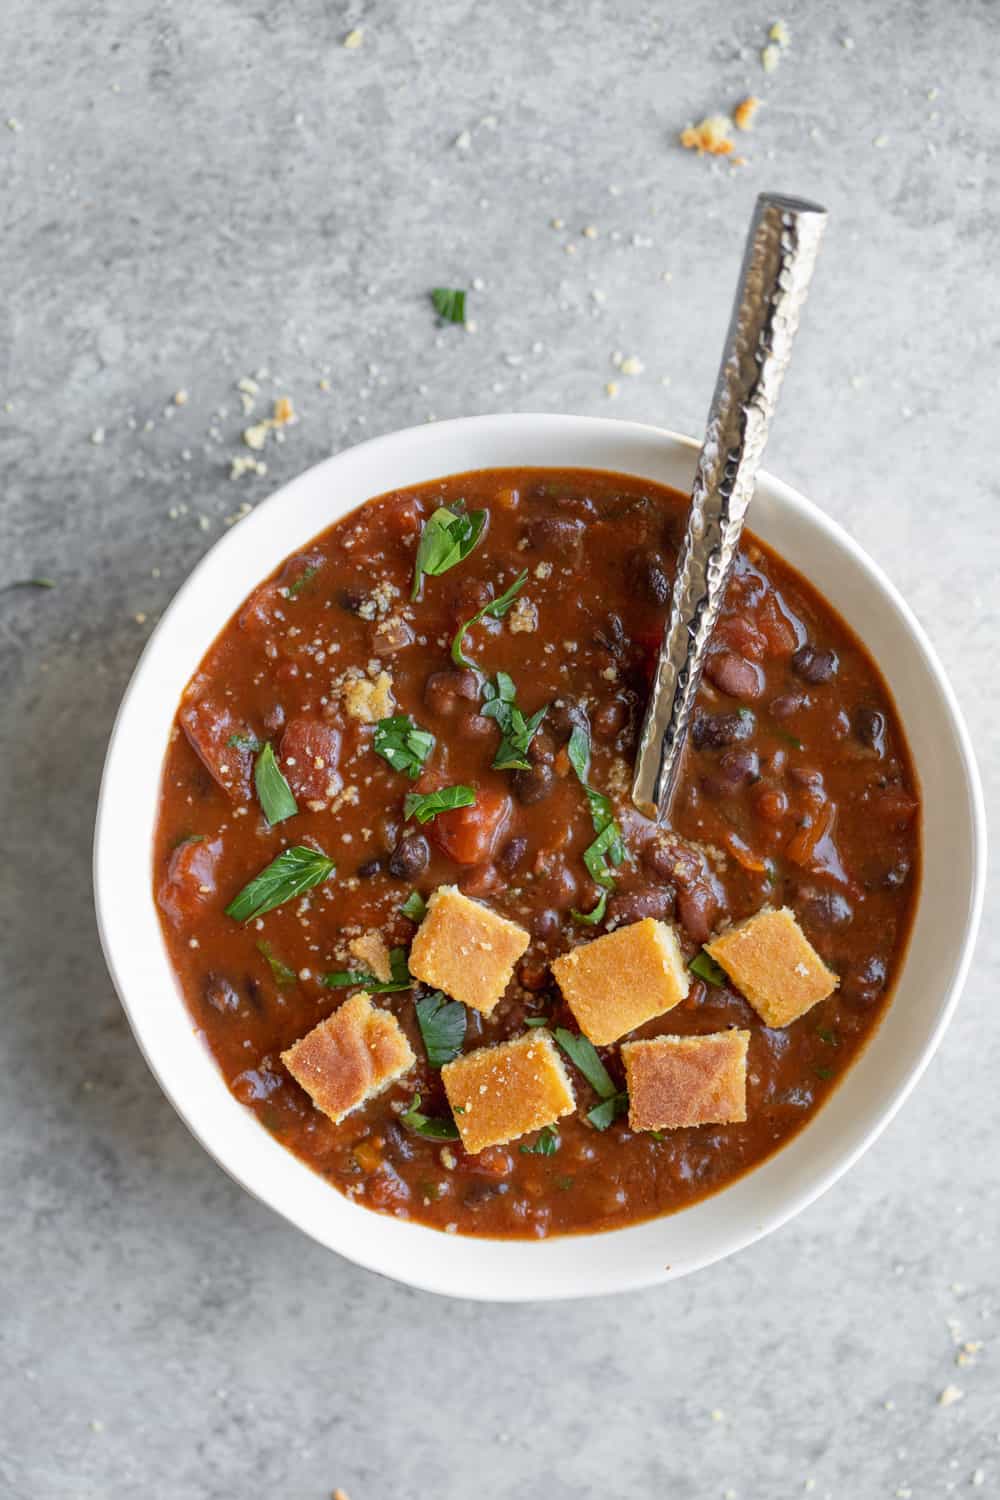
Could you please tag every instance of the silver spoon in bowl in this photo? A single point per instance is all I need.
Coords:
(778, 263)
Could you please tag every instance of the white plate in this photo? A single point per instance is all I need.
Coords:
(582, 1265)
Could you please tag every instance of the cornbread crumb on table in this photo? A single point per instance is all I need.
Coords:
(772, 962)
(465, 949)
(499, 1093)
(686, 1080)
(350, 1057)
(623, 979)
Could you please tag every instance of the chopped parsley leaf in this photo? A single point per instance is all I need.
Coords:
(426, 1125)
(282, 973)
(583, 1055)
(516, 731)
(293, 872)
(442, 1025)
(403, 744)
(592, 918)
(495, 610)
(426, 805)
(248, 742)
(449, 303)
(706, 968)
(401, 979)
(602, 1115)
(608, 849)
(273, 791)
(414, 907)
(294, 589)
(446, 538)
(547, 1143)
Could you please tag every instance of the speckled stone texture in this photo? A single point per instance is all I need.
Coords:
(200, 191)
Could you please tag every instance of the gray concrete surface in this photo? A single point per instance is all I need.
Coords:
(194, 193)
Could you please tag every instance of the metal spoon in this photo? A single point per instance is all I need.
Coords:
(778, 262)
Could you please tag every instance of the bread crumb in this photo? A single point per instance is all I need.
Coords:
(353, 39)
(633, 365)
(710, 136)
(743, 114)
(950, 1395)
(523, 618)
(181, 398)
(97, 436)
(611, 389)
(368, 701)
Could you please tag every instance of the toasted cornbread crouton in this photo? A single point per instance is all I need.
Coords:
(370, 949)
(771, 961)
(368, 701)
(686, 1080)
(498, 1093)
(622, 979)
(465, 949)
(350, 1057)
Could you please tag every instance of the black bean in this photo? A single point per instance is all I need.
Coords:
(824, 909)
(648, 575)
(220, 994)
(784, 706)
(410, 857)
(713, 731)
(351, 600)
(610, 719)
(369, 868)
(813, 664)
(534, 785)
(565, 716)
(869, 729)
(612, 636)
(633, 906)
(511, 854)
(734, 675)
(865, 983)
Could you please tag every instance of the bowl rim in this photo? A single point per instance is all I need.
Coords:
(618, 1278)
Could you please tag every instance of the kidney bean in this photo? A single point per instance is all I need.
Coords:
(651, 901)
(610, 719)
(612, 637)
(398, 1145)
(813, 664)
(476, 726)
(542, 747)
(410, 857)
(785, 705)
(220, 994)
(737, 766)
(445, 691)
(562, 535)
(742, 635)
(696, 911)
(534, 785)
(869, 729)
(714, 731)
(511, 854)
(480, 880)
(734, 675)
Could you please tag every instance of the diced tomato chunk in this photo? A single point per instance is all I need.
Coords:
(209, 727)
(469, 835)
(190, 879)
(309, 755)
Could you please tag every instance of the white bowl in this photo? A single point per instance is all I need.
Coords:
(573, 1266)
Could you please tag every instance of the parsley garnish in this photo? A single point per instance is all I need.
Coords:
(824, 1073)
(591, 918)
(449, 303)
(426, 805)
(446, 538)
(414, 907)
(706, 968)
(583, 1055)
(294, 871)
(294, 589)
(31, 583)
(495, 610)
(426, 1125)
(536, 1020)
(546, 1144)
(401, 979)
(442, 1027)
(516, 731)
(608, 848)
(830, 1037)
(273, 791)
(282, 973)
(403, 744)
(247, 741)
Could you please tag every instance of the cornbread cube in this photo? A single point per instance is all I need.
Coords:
(465, 949)
(350, 1057)
(772, 962)
(498, 1093)
(622, 979)
(686, 1080)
